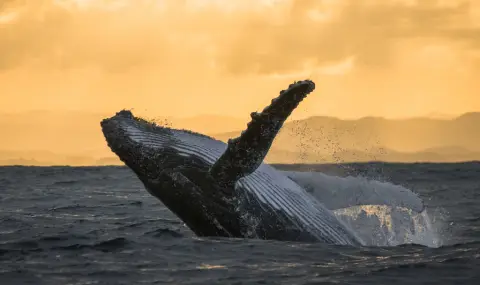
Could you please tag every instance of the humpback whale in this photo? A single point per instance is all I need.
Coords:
(224, 189)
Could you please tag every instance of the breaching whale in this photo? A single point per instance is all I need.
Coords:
(226, 190)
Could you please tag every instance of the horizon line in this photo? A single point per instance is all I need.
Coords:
(271, 164)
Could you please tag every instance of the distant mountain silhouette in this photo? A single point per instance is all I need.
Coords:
(319, 139)
(44, 138)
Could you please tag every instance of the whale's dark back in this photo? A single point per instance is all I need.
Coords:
(265, 188)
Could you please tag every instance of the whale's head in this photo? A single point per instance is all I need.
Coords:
(174, 167)
(146, 147)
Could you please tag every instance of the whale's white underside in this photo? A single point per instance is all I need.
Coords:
(268, 185)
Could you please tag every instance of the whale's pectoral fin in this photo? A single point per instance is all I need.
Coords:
(245, 153)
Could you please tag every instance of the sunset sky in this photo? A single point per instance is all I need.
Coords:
(184, 58)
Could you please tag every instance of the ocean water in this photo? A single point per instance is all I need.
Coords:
(97, 225)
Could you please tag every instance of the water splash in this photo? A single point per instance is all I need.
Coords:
(343, 192)
(381, 213)
(381, 225)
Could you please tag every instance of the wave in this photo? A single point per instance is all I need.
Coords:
(164, 233)
(62, 243)
(104, 246)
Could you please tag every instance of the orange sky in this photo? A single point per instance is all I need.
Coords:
(184, 58)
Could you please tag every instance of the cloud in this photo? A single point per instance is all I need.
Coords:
(61, 36)
(369, 32)
(5, 4)
(280, 38)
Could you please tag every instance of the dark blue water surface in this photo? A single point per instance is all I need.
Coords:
(97, 225)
